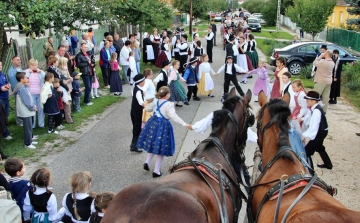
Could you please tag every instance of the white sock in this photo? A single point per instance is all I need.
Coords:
(158, 164)
(92, 92)
(96, 92)
(149, 157)
(244, 77)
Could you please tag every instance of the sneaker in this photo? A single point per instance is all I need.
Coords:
(30, 146)
(8, 137)
(35, 137)
(60, 127)
(34, 143)
(79, 111)
(53, 131)
(89, 104)
(97, 96)
(92, 97)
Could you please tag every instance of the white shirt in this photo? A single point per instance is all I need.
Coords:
(51, 206)
(205, 68)
(301, 101)
(173, 42)
(235, 49)
(210, 36)
(150, 89)
(168, 111)
(182, 46)
(291, 93)
(229, 69)
(124, 56)
(315, 119)
(101, 44)
(79, 196)
(160, 77)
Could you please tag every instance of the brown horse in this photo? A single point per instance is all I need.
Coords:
(187, 195)
(283, 169)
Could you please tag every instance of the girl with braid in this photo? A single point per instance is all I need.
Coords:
(79, 204)
(40, 201)
(102, 201)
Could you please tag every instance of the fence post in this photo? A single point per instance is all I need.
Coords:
(16, 46)
(29, 49)
(357, 42)
(347, 41)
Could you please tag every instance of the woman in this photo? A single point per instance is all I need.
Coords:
(53, 68)
(136, 49)
(148, 51)
(242, 58)
(165, 52)
(251, 51)
(155, 39)
(105, 56)
(277, 88)
(124, 59)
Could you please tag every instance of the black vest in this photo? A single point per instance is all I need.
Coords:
(230, 36)
(184, 50)
(135, 104)
(83, 207)
(39, 202)
(178, 36)
(323, 122)
(210, 41)
(163, 47)
(232, 68)
(287, 89)
(162, 83)
(229, 50)
(198, 52)
(98, 218)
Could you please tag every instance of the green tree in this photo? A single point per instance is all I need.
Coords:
(253, 6)
(354, 9)
(269, 10)
(200, 7)
(311, 15)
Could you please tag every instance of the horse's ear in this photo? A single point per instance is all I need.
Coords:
(286, 98)
(232, 92)
(247, 97)
(262, 98)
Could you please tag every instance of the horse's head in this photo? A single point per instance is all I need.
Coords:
(273, 124)
(235, 116)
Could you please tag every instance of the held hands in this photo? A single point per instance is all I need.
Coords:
(189, 126)
(299, 120)
(335, 79)
(216, 74)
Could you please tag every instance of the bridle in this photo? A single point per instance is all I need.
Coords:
(260, 130)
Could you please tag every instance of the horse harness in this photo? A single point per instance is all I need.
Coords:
(219, 175)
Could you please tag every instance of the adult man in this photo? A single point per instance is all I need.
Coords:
(214, 29)
(209, 46)
(61, 51)
(118, 44)
(68, 55)
(14, 68)
(182, 46)
(295, 40)
(48, 46)
(83, 62)
(101, 45)
(323, 77)
(192, 46)
(335, 85)
(85, 39)
(124, 59)
(231, 49)
(323, 50)
(92, 38)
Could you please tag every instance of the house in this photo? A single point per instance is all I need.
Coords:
(340, 15)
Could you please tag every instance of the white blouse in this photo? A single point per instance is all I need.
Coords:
(205, 68)
(168, 111)
(149, 89)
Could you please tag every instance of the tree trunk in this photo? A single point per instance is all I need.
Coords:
(4, 44)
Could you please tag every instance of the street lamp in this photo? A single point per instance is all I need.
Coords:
(191, 16)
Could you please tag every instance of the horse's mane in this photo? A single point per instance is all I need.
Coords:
(281, 109)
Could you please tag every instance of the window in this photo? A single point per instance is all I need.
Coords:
(310, 49)
(341, 17)
(341, 51)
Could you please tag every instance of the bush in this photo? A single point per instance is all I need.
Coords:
(275, 44)
(305, 72)
(351, 75)
(268, 41)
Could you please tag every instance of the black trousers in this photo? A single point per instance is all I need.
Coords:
(192, 90)
(232, 78)
(209, 48)
(136, 119)
(183, 60)
(58, 119)
(105, 74)
(317, 144)
(177, 56)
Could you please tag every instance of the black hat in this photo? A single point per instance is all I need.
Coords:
(229, 57)
(184, 35)
(106, 34)
(312, 95)
(193, 60)
(323, 47)
(63, 77)
(182, 30)
(178, 30)
(165, 63)
(75, 73)
(231, 38)
(139, 78)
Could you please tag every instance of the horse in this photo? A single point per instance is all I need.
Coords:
(202, 188)
(285, 191)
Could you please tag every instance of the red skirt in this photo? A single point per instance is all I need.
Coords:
(160, 59)
(250, 66)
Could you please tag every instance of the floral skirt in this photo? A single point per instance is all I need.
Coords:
(157, 137)
(177, 92)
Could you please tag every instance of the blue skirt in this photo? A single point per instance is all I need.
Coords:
(157, 137)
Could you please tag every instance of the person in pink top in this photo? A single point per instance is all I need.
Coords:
(36, 81)
(261, 83)
(277, 88)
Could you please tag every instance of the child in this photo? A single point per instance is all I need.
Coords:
(79, 198)
(40, 201)
(115, 80)
(132, 67)
(177, 91)
(287, 88)
(198, 51)
(25, 107)
(162, 78)
(192, 78)
(17, 186)
(150, 91)
(4, 100)
(262, 81)
(59, 95)
(49, 101)
(136, 49)
(157, 137)
(300, 107)
(136, 112)
(165, 52)
(95, 85)
(76, 91)
(317, 131)
(206, 84)
(101, 203)
(230, 75)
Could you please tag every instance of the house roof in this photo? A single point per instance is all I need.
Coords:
(341, 3)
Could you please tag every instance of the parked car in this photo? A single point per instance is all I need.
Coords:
(259, 16)
(218, 18)
(254, 24)
(303, 54)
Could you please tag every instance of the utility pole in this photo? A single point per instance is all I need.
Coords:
(278, 16)
(191, 16)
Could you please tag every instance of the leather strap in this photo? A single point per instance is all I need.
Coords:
(222, 194)
(282, 185)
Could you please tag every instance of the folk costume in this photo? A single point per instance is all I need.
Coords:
(115, 79)
(317, 131)
(275, 92)
(41, 204)
(209, 44)
(198, 51)
(150, 91)
(252, 53)
(230, 75)
(177, 91)
(136, 112)
(243, 61)
(191, 76)
(148, 50)
(335, 85)
(155, 39)
(262, 81)
(183, 46)
(162, 78)
(50, 104)
(164, 54)
(84, 205)
(206, 83)
(175, 51)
